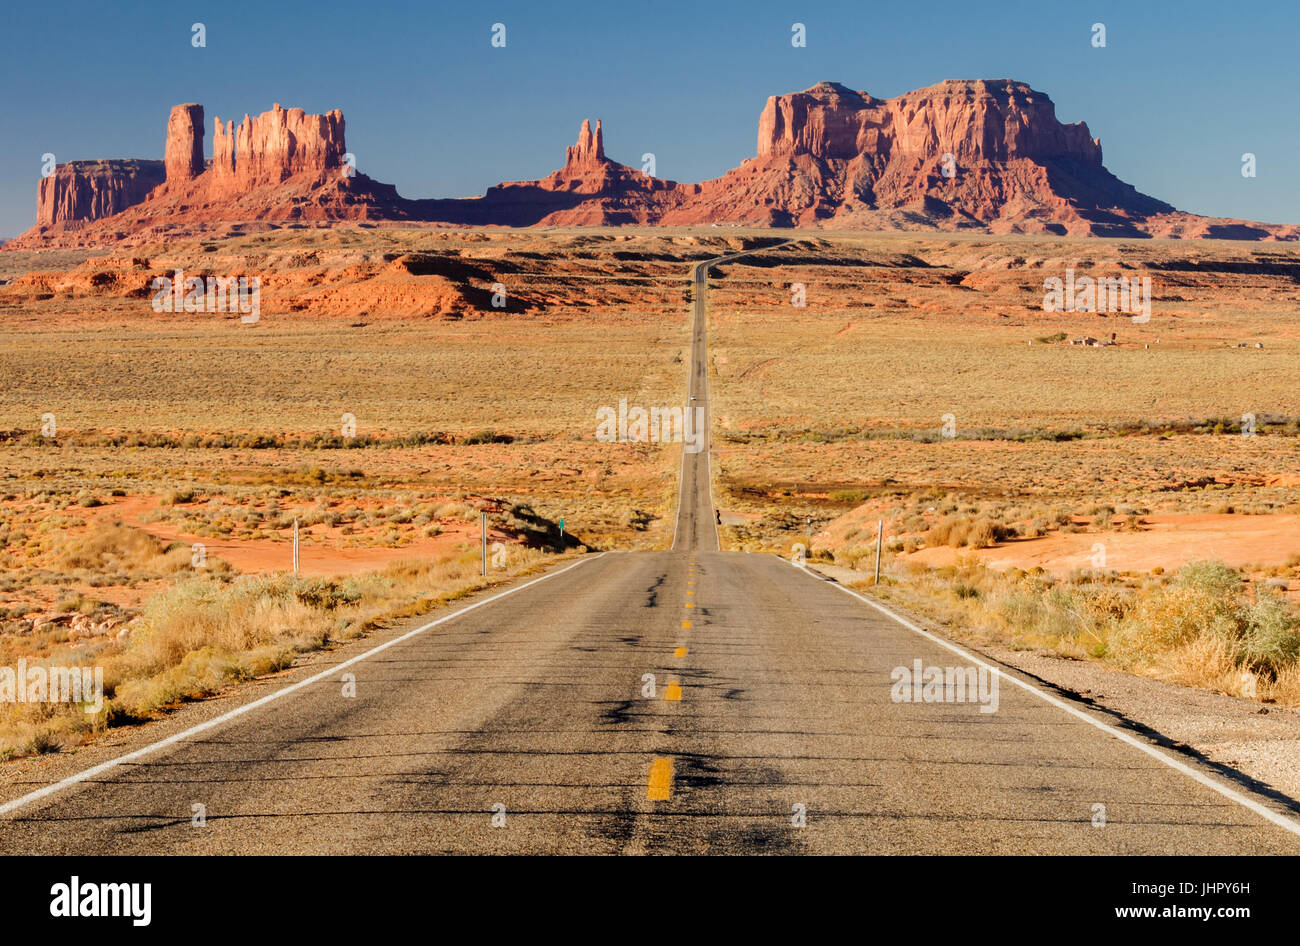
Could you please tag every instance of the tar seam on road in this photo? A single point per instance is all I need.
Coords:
(90, 773)
(1282, 821)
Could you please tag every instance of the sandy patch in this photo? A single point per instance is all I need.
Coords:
(1167, 541)
(319, 548)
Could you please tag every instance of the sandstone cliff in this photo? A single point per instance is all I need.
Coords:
(979, 154)
(273, 147)
(987, 155)
(283, 165)
(81, 191)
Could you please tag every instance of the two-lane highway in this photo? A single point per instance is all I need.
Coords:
(658, 702)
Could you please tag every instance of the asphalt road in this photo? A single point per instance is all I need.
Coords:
(527, 724)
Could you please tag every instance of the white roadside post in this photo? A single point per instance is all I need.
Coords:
(880, 535)
(483, 524)
(295, 546)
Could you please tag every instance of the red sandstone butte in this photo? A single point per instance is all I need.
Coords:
(987, 155)
(963, 153)
(589, 190)
(81, 191)
(284, 165)
(273, 147)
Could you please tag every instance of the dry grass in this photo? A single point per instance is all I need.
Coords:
(205, 633)
(182, 429)
(834, 413)
(900, 329)
(849, 394)
(1201, 626)
(114, 547)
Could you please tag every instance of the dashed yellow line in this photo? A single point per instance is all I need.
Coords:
(673, 692)
(686, 624)
(660, 786)
(680, 652)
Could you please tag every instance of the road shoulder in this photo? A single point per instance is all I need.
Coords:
(1253, 744)
(30, 773)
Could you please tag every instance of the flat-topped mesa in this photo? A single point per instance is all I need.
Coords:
(275, 146)
(589, 152)
(80, 191)
(183, 150)
(975, 120)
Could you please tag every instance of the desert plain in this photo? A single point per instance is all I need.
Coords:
(402, 382)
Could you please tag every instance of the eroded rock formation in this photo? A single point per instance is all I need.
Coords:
(589, 151)
(963, 154)
(80, 191)
(183, 150)
(273, 147)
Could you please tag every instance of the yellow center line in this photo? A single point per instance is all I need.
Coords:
(690, 604)
(660, 786)
(673, 692)
(690, 592)
(686, 624)
(680, 652)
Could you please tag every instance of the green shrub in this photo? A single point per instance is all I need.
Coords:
(1268, 641)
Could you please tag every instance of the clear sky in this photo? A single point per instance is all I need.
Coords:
(1180, 91)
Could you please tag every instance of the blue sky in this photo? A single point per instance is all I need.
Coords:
(1178, 94)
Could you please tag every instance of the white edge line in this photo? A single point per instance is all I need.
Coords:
(717, 533)
(90, 773)
(1282, 821)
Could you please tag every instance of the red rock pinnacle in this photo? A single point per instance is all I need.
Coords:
(590, 150)
(183, 152)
